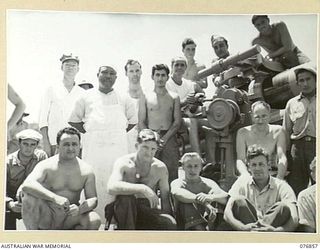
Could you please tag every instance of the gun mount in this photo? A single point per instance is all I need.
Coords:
(229, 108)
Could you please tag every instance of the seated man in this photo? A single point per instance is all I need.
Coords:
(51, 193)
(307, 204)
(19, 165)
(270, 137)
(261, 202)
(275, 38)
(194, 196)
(134, 181)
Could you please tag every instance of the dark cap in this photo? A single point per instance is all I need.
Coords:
(148, 135)
(85, 85)
(69, 57)
(218, 38)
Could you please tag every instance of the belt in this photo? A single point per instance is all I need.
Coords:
(308, 138)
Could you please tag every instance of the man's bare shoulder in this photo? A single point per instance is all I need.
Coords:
(126, 161)
(173, 95)
(276, 128)
(208, 181)
(85, 168)
(245, 130)
(158, 165)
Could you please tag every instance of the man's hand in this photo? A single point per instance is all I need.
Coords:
(203, 198)
(151, 196)
(62, 202)
(262, 227)
(73, 210)
(250, 227)
(15, 206)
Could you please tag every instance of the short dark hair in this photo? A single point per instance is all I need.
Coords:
(68, 131)
(188, 41)
(131, 62)
(255, 151)
(302, 70)
(215, 37)
(148, 135)
(160, 67)
(255, 17)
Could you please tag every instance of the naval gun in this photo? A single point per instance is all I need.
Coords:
(229, 108)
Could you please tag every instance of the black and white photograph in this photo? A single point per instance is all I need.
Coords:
(161, 122)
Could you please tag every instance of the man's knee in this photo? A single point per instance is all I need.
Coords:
(168, 222)
(125, 201)
(238, 201)
(34, 213)
(91, 221)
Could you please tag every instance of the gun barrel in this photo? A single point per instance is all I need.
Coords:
(223, 64)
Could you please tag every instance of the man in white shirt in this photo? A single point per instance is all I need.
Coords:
(187, 92)
(104, 116)
(57, 103)
(133, 72)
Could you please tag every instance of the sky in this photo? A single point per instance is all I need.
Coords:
(37, 39)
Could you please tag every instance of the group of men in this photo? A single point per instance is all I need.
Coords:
(142, 189)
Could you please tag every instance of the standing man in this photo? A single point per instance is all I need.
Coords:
(104, 116)
(261, 202)
(307, 204)
(51, 193)
(187, 91)
(189, 51)
(270, 137)
(19, 165)
(133, 72)
(276, 40)
(134, 181)
(300, 125)
(57, 103)
(160, 111)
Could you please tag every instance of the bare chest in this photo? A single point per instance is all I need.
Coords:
(160, 104)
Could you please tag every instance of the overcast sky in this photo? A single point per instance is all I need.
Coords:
(37, 39)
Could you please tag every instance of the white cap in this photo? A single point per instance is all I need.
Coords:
(29, 134)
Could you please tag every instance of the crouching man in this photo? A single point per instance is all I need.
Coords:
(134, 181)
(194, 196)
(51, 193)
(260, 202)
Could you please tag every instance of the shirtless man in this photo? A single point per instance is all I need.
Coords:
(194, 196)
(160, 111)
(276, 40)
(134, 180)
(189, 51)
(271, 137)
(51, 193)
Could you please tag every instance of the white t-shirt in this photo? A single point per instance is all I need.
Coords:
(183, 90)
